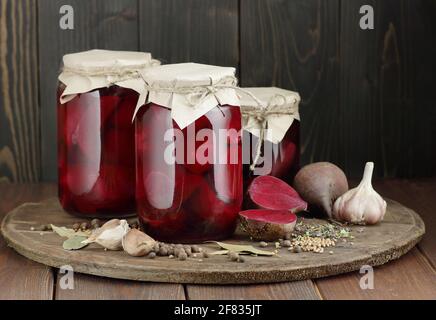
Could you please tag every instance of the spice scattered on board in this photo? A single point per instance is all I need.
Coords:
(315, 237)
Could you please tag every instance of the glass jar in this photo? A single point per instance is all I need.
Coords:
(280, 148)
(196, 193)
(285, 156)
(96, 138)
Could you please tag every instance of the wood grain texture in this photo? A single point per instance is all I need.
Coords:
(411, 277)
(21, 278)
(88, 287)
(102, 24)
(414, 275)
(295, 45)
(386, 114)
(297, 290)
(378, 244)
(365, 93)
(19, 105)
(420, 196)
(203, 31)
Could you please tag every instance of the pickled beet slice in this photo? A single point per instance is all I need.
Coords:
(108, 106)
(113, 189)
(285, 161)
(160, 191)
(208, 206)
(121, 117)
(269, 225)
(201, 145)
(268, 192)
(116, 145)
(81, 178)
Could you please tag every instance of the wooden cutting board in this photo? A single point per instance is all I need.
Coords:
(375, 245)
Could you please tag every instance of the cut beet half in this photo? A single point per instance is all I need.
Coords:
(268, 225)
(268, 192)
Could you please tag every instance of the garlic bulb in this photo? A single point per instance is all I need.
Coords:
(361, 204)
(110, 235)
(137, 243)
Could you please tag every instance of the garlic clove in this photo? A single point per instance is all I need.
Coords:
(110, 235)
(361, 204)
(137, 243)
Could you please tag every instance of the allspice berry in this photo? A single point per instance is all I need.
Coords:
(188, 250)
(287, 243)
(183, 256)
(84, 226)
(195, 249)
(234, 256)
(95, 223)
(263, 244)
(163, 250)
(76, 226)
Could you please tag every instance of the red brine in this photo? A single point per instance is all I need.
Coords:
(285, 155)
(193, 198)
(96, 152)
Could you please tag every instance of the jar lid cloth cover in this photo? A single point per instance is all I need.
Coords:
(94, 69)
(190, 90)
(279, 112)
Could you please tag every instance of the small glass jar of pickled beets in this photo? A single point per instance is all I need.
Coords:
(271, 133)
(97, 95)
(189, 153)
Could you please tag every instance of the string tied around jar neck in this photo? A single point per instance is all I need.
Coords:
(115, 73)
(261, 115)
(195, 95)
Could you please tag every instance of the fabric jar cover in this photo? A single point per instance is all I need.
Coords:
(190, 90)
(280, 109)
(94, 69)
(272, 117)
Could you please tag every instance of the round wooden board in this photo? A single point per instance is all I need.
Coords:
(375, 245)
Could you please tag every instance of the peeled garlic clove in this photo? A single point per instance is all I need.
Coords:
(137, 243)
(361, 204)
(110, 235)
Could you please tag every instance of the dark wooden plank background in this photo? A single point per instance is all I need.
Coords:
(367, 94)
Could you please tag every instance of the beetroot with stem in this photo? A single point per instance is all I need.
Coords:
(320, 184)
(268, 225)
(268, 192)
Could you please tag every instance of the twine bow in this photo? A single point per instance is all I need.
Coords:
(195, 95)
(261, 115)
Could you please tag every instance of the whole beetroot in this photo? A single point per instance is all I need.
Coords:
(320, 184)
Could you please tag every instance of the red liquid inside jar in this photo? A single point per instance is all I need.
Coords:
(285, 156)
(189, 200)
(96, 153)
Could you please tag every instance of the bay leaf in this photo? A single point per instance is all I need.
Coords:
(220, 252)
(243, 249)
(68, 233)
(74, 243)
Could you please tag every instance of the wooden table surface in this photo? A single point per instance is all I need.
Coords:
(413, 276)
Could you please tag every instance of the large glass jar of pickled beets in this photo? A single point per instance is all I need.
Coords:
(96, 138)
(279, 151)
(189, 154)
